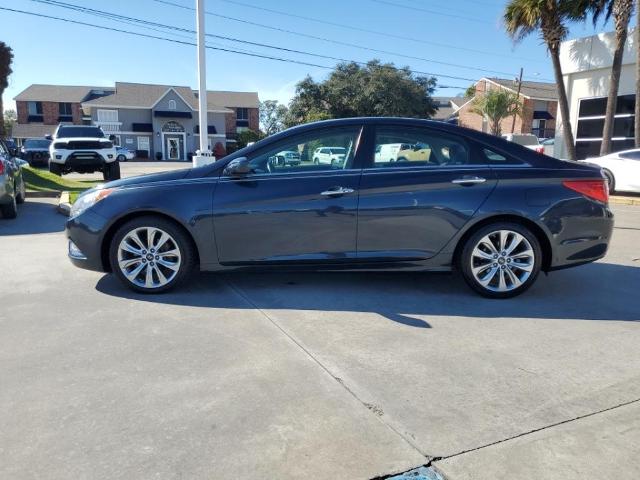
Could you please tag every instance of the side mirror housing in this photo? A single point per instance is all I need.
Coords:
(48, 136)
(237, 167)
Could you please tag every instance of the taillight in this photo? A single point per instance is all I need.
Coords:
(1, 167)
(595, 189)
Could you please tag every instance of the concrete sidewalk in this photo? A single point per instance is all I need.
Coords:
(307, 375)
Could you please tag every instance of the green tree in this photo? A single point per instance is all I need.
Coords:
(247, 136)
(621, 11)
(10, 119)
(549, 17)
(6, 57)
(371, 90)
(496, 105)
(272, 116)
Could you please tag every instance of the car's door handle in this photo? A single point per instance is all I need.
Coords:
(468, 180)
(337, 191)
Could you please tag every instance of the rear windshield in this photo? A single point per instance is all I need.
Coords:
(36, 143)
(85, 132)
(526, 140)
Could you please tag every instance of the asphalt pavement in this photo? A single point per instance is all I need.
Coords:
(308, 375)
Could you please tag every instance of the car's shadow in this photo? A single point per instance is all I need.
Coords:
(34, 216)
(599, 291)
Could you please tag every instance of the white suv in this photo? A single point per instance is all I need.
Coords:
(528, 140)
(83, 149)
(329, 155)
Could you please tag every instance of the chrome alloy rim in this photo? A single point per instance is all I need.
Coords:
(502, 260)
(149, 257)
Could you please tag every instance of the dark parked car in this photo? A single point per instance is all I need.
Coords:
(36, 151)
(12, 188)
(498, 212)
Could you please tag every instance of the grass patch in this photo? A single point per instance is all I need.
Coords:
(44, 181)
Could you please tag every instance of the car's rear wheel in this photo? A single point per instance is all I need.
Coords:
(55, 168)
(122, 158)
(316, 161)
(611, 180)
(151, 254)
(10, 210)
(501, 260)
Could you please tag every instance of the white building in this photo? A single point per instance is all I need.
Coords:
(586, 65)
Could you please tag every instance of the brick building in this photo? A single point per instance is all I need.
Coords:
(540, 105)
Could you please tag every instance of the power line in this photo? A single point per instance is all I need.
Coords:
(432, 12)
(336, 42)
(360, 29)
(180, 42)
(118, 17)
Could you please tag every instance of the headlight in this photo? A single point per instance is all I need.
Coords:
(88, 200)
(59, 145)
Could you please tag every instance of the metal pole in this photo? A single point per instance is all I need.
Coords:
(204, 155)
(513, 122)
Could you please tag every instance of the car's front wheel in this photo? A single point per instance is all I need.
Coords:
(55, 168)
(501, 260)
(151, 254)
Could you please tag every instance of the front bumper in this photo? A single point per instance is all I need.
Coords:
(86, 232)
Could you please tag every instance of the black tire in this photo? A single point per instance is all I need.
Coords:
(21, 192)
(55, 168)
(111, 171)
(121, 158)
(316, 161)
(183, 243)
(491, 290)
(10, 210)
(608, 175)
(402, 159)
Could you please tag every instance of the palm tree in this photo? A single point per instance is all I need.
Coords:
(621, 11)
(6, 57)
(496, 105)
(523, 17)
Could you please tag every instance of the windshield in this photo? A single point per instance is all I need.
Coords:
(36, 143)
(85, 132)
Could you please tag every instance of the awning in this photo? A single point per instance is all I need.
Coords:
(142, 127)
(211, 129)
(542, 115)
(171, 114)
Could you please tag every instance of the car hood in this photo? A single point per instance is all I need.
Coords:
(149, 179)
(80, 139)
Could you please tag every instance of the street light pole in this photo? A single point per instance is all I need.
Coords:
(202, 156)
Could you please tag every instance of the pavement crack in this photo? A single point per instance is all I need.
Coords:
(546, 427)
(376, 411)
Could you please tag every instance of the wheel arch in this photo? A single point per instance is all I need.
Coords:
(541, 236)
(113, 228)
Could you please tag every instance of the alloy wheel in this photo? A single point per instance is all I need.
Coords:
(149, 257)
(502, 261)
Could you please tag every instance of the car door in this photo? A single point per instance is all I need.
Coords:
(410, 209)
(303, 213)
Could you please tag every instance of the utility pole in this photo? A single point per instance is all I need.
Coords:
(203, 156)
(513, 122)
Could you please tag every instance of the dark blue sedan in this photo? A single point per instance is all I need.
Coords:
(456, 199)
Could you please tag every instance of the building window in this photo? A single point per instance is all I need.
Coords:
(172, 104)
(35, 108)
(143, 143)
(242, 113)
(107, 116)
(591, 113)
(64, 109)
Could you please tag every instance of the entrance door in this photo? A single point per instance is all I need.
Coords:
(173, 147)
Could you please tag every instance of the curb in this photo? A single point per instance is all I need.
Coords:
(43, 194)
(624, 200)
(64, 207)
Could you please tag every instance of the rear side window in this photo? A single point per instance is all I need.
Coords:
(398, 147)
(631, 155)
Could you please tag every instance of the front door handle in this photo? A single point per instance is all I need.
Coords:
(336, 191)
(468, 180)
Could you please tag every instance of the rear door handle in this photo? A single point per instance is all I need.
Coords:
(336, 191)
(468, 180)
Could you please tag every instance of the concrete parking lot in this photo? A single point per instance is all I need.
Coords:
(305, 375)
(134, 168)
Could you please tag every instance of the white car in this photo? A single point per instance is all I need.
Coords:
(621, 169)
(83, 149)
(124, 154)
(329, 155)
(388, 152)
(528, 140)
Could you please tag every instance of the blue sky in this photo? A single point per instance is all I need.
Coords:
(463, 32)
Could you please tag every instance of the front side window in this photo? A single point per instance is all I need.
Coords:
(398, 147)
(301, 154)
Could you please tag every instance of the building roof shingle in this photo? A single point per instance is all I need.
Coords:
(56, 93)
(535, 90)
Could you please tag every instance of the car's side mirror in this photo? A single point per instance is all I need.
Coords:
(48, 136)
(14, 152)
(237, 167)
